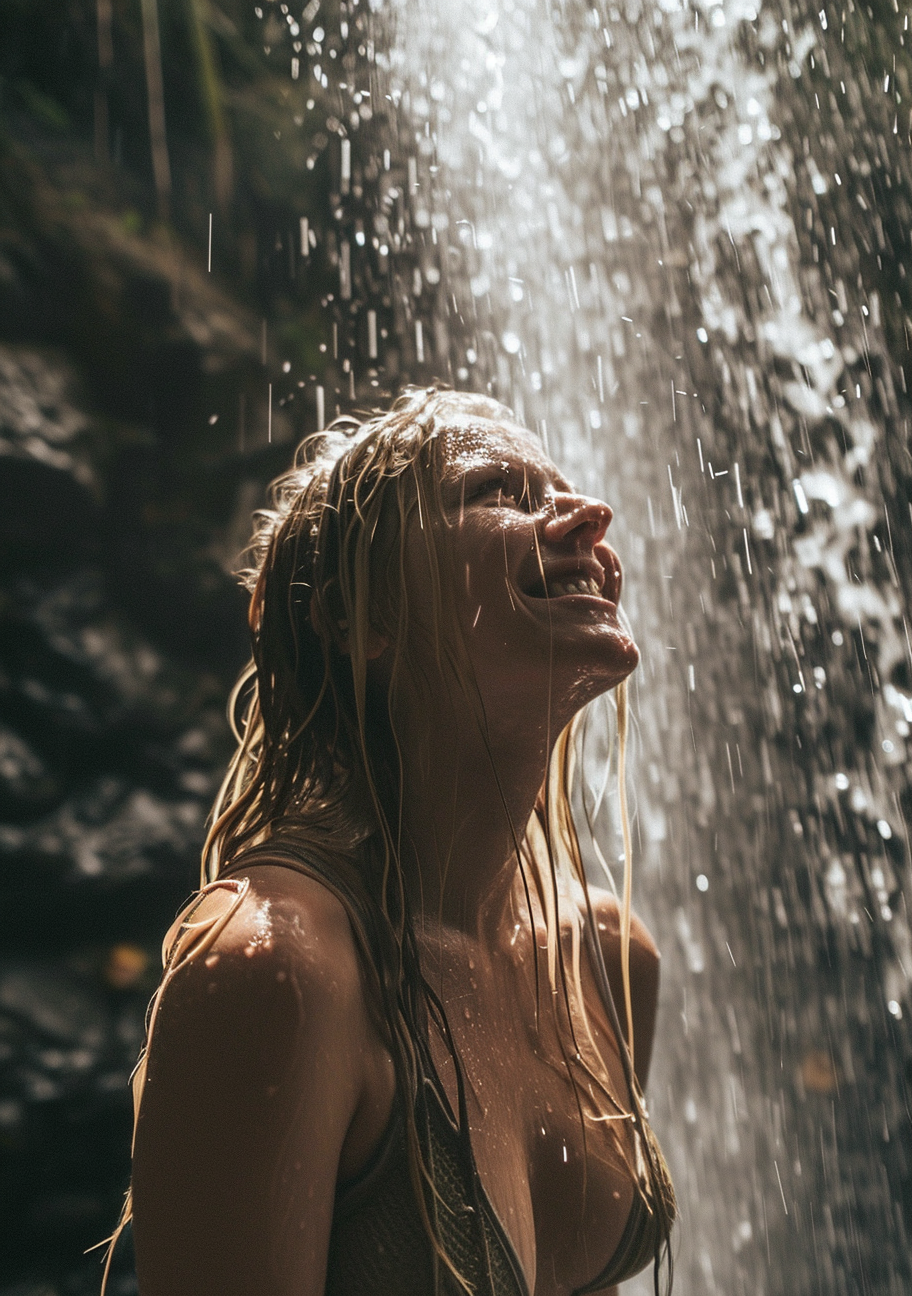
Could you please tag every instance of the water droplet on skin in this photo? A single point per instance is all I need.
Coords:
(467, 1014)
(212, 959)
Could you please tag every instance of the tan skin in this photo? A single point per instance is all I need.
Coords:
(269, 1084)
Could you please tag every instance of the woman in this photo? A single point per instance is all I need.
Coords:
(385, 1056)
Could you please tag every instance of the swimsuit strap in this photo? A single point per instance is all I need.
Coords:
(467, 1224)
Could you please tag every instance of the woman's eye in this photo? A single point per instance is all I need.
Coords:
(500, 490)
(489, 486)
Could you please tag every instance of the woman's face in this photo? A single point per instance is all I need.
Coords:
(536, 587)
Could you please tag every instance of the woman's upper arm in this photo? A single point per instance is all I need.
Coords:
(253, 1079)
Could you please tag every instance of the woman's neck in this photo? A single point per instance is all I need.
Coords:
(466, 799)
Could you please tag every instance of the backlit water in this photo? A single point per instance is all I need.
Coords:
(672, 237)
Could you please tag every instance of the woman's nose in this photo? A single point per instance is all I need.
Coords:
(576, 513)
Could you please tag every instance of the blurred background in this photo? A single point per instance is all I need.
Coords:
(675, 237)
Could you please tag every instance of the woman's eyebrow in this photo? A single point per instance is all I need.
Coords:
(533, 474)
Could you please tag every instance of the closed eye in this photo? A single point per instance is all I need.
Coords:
(480, 488)
(501, 489)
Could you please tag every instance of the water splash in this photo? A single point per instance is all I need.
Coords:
(657, 233)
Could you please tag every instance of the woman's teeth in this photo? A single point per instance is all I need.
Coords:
(579, 585)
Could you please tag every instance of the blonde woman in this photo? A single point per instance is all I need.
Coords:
(385, 1057)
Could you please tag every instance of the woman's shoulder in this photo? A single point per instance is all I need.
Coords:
(257, 1066)
(644, 971)
(607, 912)
(268, 942)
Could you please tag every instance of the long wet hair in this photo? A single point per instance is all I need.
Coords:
(317, 764)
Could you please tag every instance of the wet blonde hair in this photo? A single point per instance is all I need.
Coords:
(317, 760)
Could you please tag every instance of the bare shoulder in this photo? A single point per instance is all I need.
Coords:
(255, 1071)
(643, 949)
(282, 971)
(644, 972)
(288, 921)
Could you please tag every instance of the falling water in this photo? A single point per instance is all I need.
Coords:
(674, 239)
(653, 231)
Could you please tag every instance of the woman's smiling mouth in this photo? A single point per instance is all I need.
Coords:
(574, 578)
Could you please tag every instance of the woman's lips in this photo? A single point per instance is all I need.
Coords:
(590, 580)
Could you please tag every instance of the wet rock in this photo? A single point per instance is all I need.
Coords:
(48, 486)
(24, 778)
(78, 635)
(110, 831)
(120, 634)
(39, 417)
(67, 1020)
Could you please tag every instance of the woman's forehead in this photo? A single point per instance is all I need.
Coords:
(477, 443)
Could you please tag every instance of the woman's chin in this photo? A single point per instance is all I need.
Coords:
(604, 675)
(631, 656)
(619, 657)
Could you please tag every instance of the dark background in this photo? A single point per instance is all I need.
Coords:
(134, 443)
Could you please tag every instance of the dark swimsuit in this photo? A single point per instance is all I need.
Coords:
(378, 1243)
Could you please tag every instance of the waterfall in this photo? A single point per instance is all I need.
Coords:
(656, 232)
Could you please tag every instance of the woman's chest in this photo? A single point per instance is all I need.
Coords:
(550, 1133)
